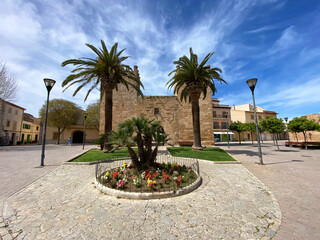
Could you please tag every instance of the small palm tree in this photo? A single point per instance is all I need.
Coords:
(144, 133)
(190, 80)
(106, 71)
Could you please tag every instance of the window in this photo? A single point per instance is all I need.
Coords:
(225, 114)
(260, 117)
(214, 114)
(16, 112)
(37, 128)
(252, 116)
(225, 125)
(215, 125)
(8, 123)
(9, 110)
(156, 111)
(26, 126)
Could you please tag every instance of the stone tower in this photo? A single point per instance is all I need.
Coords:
(174, 115)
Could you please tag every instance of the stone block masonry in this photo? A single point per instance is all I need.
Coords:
(174, 115)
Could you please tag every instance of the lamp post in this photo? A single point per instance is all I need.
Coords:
(252, 84)
(286, 119)
(49, 83)
(84, 129)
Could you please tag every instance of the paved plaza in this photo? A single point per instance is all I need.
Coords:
(61, 202)
(293, 175)
(231, 204)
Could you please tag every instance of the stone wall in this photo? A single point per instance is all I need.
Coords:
(175, 116)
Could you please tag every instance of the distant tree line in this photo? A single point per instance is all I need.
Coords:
(276, 126)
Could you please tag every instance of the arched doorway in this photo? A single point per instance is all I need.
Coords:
(77, 137)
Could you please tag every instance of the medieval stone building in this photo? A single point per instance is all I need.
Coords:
(174, 115)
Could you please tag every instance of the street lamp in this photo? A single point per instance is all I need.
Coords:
(84, 129)
(49, 83)
(252, 84)
(286, 119)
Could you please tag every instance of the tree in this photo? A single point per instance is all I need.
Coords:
(273, 126)
(106, 71)
(190, 80)
(237, 127)
(302, 124)
(61, 114)
(250, 127)
(93, 115)
(8, 84)
(143, 132)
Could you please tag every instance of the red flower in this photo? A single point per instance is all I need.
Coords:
(115, 174)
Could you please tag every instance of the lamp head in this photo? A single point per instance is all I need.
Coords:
(85, 115)
(286, 119)
(49, 83)
(252, 83)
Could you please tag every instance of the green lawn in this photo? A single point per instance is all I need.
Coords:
(210, 153)
(98, 155)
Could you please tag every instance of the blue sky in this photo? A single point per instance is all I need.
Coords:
(274, 41)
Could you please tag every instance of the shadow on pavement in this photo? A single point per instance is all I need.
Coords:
(284, 162)
(247, 152)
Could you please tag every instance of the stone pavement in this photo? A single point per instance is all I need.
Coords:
(230, 204)
(20, 164)
(293, 175)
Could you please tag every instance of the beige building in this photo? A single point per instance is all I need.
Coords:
(174, 115)
(312, 136)
(30, 132)
(221, 121)
(74, 131)
(245, 114)
(11, 116)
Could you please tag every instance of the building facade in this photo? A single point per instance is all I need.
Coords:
(11, 117)
(245, 114)
(174, 115)
(221, 121)
(30, 132)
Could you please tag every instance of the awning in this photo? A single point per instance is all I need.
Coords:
(223, 133)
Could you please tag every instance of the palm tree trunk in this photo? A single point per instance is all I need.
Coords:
(107, 118)
(196, 123)
(239, 138)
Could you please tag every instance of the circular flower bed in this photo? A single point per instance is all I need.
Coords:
(165, 180)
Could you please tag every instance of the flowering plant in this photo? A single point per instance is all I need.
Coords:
(151, 183)
(137, 182)
(106, 176)
(121, 184)
(116, 175)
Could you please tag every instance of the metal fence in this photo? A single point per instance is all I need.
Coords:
(193, 164)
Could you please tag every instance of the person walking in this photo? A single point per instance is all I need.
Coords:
(69, 142)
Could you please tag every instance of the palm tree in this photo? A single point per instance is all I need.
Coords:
(144, 133)
(106, 71)
(190, 80)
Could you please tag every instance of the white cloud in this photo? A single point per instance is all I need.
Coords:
(288, 39)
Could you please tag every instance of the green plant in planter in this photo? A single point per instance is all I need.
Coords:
(142, 132)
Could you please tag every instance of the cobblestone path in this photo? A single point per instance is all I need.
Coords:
(231, 203)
